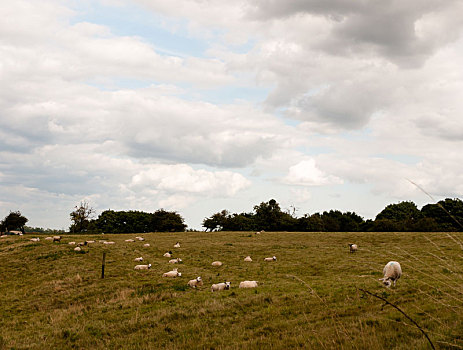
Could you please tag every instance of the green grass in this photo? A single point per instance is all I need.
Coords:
(53, 298)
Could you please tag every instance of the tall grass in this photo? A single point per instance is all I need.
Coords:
(53, 297)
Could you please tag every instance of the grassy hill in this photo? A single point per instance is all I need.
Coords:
(53, 297)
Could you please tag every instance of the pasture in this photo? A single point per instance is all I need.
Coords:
(54, 298)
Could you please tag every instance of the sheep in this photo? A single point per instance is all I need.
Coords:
(77, 249)
(273, 258)
(130, 240)
(173, 273)
(142, 267)
(88, 242)
(220, 286)
(248, 284)
(175, 261)
(392, 272)
(57, 238)
(197, 282)
(72, 243)
(353, 247)
(146, 245)
(248, 258)
(108, 242)
(177, 245)
(48, 238)
(36, 239)
(80, 244)
(139, 259)
(168, 254)
(217, 263)
(140, 238)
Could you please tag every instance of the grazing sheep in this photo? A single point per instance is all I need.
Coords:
(108, 242)
(168, 254)
(77, 249)
(146, 245)
(392, 272)
(72, 243)
(57, 238)
(217, 263)
(49, 238)
(139, 259)
(248, 284)
(142, 267)
(273, 258)
(175, 261)
(130, 240)
(37, 239)
(173, 273)
(353, 247)
(197, 282)
(248, 258)
(80, 244)
(177, 245)
(220, 286)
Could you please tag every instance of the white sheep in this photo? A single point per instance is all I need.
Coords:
(177, 245)
(392, 272)
(142, 267)
(57, 238)
(88, 242)
(146, 245)
(49, 238)
(130, 240)
(175, 261)
(248, 284)
(139, 259)
(220, 286)
(72, 243)
(140, 238)
(273, 258)
(173, 273)
(217, 263)
(77, 249)
(353, 247)
(36, 239)
(197, 282)
(248, 258)
(108, 242)
(168, 254)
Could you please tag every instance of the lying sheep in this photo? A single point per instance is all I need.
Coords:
(175, 261)
(220, 286)
(177, 245)
(36, 239)
(142, 267)
(49, 238)
(80, 244)
(108, 242)
(139, 259)
(352, 247)
(140, 238)
(273, 258)
(217, 263)
(392, 272)
(77, 249)
(248, 284)
(173, 273)
(146, 245)
(130, 240)
(88, 242)
(168, 254)
(248, 258)
(57, 238)
(197, 282)
(72, 243)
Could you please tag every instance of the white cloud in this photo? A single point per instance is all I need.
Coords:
(306, 173)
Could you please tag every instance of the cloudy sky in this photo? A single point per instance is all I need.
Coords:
(202, 105)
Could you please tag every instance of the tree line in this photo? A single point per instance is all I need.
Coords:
(446, 215)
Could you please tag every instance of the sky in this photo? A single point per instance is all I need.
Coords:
(196, 106)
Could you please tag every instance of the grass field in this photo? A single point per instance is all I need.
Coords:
(54, 298)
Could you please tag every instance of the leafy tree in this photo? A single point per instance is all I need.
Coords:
(14, 221)
(165, 221)
(268, 215)
(448, 214)
(400, 212)
(217, 221)
(80, 217)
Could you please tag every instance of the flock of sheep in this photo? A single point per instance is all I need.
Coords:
(391, 272)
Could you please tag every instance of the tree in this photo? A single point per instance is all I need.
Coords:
(448, 214)
(217, 221)
(165, 221)
(14, 221)
(80, 217)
